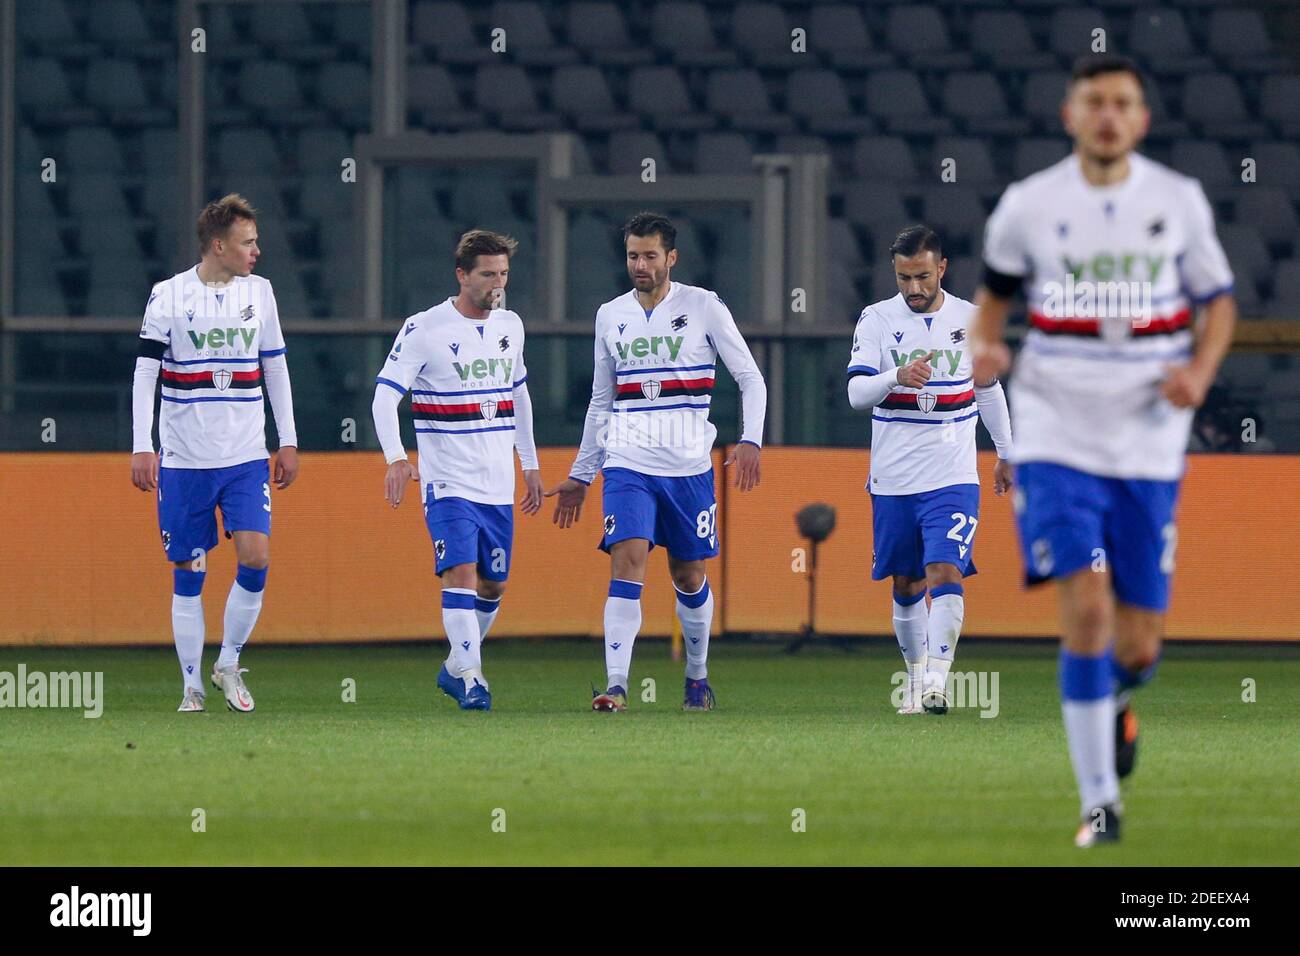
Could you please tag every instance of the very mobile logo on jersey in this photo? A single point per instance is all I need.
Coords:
(230, 338)
(1111, 266)
(485, 368)
(641, 346)
(949, 357)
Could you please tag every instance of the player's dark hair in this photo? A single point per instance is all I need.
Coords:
(651, 224)
(1097, 64)
(219, 215)
(482, 242)
(915, 240)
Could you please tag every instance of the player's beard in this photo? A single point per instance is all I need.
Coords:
(650, 284)
(922, 307)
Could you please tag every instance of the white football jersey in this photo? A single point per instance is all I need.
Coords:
(921, 438)
(654, 378)
(212, 413)
(1112, 277)
(462, 375)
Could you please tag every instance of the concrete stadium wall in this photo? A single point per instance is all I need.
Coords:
(81, 561)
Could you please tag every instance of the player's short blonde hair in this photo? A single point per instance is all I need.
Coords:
(482, 242)
(219, 215)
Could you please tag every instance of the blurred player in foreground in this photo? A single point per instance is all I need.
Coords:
(214, 332)
(1115, 254)
(924, 483)
(463, 362)
(656, 353)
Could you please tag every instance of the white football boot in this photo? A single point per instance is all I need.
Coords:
(192, 702)
(912, 696)
(231, 682)
(934, 699)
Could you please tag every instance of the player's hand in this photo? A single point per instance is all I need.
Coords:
(286, 466)
(572, 492)
(1185, 385)
(399, 473)
(1002, 480)
(990, 361)
(916, 374)
(144, 470)
(746, 456)
(532, 501)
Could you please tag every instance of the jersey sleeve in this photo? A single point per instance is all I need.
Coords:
(1203, 266)
(520, 374)
(272, 338)
(735, 354)
(864, 355)
(155, 330)
(1006, 246)
(405, 359)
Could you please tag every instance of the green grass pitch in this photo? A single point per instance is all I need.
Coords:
(403, 777)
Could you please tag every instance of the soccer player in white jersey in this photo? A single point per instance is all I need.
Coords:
(911, 366)
(1115, 254)
(463, 362)
(656, 352)
(214, 332)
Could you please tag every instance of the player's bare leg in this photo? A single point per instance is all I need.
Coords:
(911, 622)
(1138, 634)
(695, 612)
(487, 604)
(1087, 609)
(627, 561)
(253, 554)
(461, 676)
(188, 631)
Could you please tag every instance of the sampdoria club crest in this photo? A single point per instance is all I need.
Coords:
(221, 379)
(650, 389)
(489, 410)
(925, 402)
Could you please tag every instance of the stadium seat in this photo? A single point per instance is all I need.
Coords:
(628, 148)
(479, 195)
(762, 35)
(1041, 99)
(1239, 40)
(838, 32)
(504, 91)
(96, 194)
(974, 163)
(659, 94)
(1277, 164)
(1001, 38)
(45, 96)
(159, 149)
(529, 39)
(445, 28)
(896, 98)
(684, 30)
(1285, 301)
(843, 301)
(1204, 160)
(431, 96)
(1246, 251)
(344, 89)
(956, 211)
(741, 97)
(723, 153)
(1070, 32)
(1038, 153)
(240, 148)
(350, 29)
(874, 205)
(121, 26)
(115, 300)
(159, 195)
(114, 264)
(842, 243)
(888, 158)
(285, 29)
(1270, 210)
(599, 32)
(975, 100)
(963, 276)
(36, 287)
(1158, 37)
(323, 148)
(93, 148)
(273, 89)
(920, 35)
(117, 87)
(1280, 103)
(581, 93)
(819, 98)
(1213, 103)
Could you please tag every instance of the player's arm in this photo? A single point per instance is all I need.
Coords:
(867, 385)
(405, 360)
(591, 453)
(735, 354)
(525, 446)
(155, 336)
(1005, 267)
(275, 373)
(991, 403)
(1205, 272)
